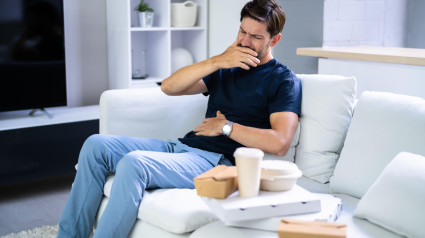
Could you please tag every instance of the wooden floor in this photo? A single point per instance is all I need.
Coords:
(29, 205)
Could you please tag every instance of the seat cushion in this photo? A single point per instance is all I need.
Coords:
(383, 125)
(326, 111)
(174, 210)
(219, 229)
(140, 227)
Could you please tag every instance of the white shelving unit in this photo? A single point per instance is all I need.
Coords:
(126, 41)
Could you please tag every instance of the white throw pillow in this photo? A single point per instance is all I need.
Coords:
(383, 125)
(396, 200)
(326, 111)
(174, 210)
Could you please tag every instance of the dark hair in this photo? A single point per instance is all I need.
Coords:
(266, 11)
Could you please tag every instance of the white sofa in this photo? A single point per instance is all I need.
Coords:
(383, 125)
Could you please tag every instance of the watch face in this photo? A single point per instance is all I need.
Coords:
(226, 130)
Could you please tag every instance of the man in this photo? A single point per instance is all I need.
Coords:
(254, 102)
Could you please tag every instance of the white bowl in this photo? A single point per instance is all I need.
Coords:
(277, 175)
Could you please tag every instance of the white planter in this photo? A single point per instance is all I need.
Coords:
(146, 19)
(183, 14)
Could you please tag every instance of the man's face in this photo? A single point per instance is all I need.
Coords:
(254, 35)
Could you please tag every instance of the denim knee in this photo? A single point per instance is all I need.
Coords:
(133, 164)
(93, 149)
(94, 142)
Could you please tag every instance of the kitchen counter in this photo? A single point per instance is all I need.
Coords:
(409, 56)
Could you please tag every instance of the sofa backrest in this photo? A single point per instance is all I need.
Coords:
(148, 112)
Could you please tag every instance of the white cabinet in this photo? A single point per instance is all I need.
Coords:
(127, 41)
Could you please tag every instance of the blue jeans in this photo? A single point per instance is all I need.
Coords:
(138, 164)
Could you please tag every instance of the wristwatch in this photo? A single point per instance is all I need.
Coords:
(227, 128)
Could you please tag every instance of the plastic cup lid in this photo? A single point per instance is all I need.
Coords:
(245, 152)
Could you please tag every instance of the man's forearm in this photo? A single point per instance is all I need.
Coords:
(267, 140)
(184, 79)
(274, 141)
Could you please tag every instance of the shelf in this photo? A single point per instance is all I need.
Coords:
(149, 82)
(147, 29)
(196, 28)
(367, 53)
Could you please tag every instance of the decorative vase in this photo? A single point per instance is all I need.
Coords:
(180, 57)
(146, 19)
(139, 70)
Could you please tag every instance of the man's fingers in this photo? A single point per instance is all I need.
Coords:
(255, 59)
(248, 51)
(237, 56)
(248, 61)
(252, 61)
(243, 66)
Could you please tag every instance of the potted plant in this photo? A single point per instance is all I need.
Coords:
(145, 14)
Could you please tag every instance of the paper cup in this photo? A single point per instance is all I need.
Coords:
(248, 164)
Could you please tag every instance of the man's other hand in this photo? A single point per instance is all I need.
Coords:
(211, 126)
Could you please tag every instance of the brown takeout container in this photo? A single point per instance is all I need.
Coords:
(218, 182)
(289, 228)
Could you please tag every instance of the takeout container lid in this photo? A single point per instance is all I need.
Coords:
(218, 182)
(278, 168)
(278, 175)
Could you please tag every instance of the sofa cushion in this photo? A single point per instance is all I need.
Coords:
(383, 125)
(174, 210)
(140, 227)
(397, 198)
(326, 111)
(219, 229)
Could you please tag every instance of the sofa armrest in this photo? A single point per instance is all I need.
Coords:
(148, 112)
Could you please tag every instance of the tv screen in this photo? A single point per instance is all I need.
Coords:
(32, 54)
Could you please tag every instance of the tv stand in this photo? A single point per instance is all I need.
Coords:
(44, 111)
(36, 147)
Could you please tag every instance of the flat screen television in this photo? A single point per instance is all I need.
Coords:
(32, 54)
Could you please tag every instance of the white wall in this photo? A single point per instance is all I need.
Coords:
(303, 28)
(365, 22)
(86, 51)
(223, 24)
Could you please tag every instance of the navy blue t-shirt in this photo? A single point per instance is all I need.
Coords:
(247, 97)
